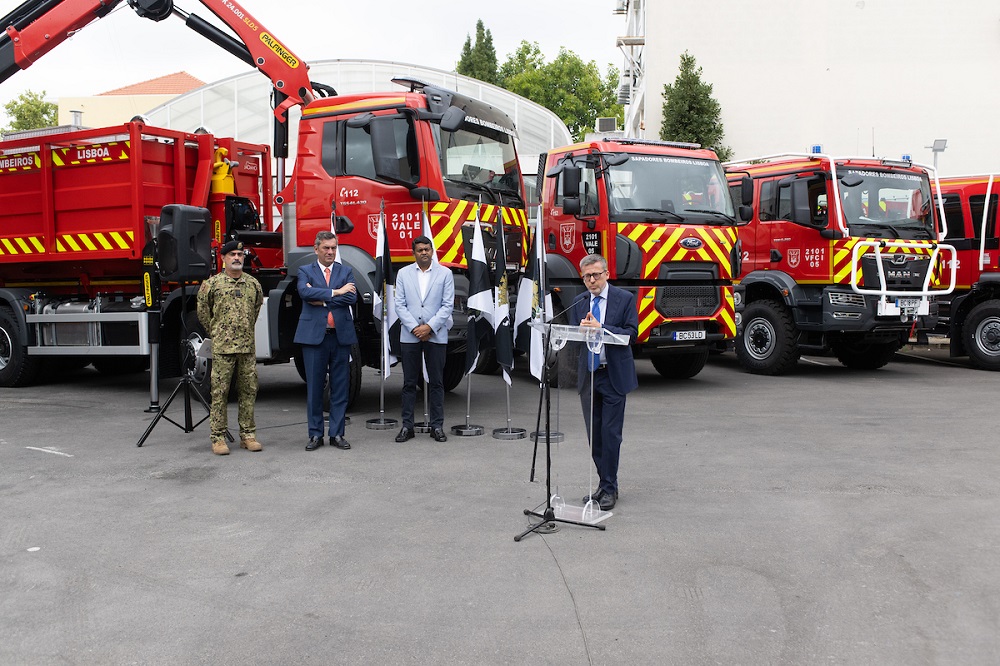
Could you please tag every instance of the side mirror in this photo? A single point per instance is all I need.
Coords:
(571, 182)
(851, 180)
(746, 213)
(571, 205)
(362, 120)
(452, 119)
(746, 191)
(342, 225)
(801, 211)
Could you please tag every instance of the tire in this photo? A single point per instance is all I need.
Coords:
(767, 345)
(454, 370)
(981, 331)
(487, 364)
(17, 368)
(190, 362)
(865, 355)
(680, 366)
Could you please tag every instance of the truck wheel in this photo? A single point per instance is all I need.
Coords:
(454, 370)
(487, 364)
(680, 366)
(201, 368)
(982, 335)
(865, 355)
(767, 344)
(16, 367)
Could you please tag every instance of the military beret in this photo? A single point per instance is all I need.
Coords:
(232, 246)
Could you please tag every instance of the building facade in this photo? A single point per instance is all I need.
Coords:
(857, 77)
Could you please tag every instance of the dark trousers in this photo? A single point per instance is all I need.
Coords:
(608, 421)
(434, 355)
(327, 359)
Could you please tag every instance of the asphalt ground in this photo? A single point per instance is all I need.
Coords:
(825, 517)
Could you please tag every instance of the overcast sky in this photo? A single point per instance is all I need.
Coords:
(123, 48)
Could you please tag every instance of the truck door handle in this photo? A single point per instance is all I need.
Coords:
(775, 256)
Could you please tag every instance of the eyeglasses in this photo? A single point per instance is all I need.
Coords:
(592, 276)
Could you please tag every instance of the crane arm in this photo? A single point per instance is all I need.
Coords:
(37, 26)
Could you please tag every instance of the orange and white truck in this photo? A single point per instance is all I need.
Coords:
(842, 255)
(90, 272)
(661, 214)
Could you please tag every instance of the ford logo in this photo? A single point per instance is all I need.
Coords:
(691, 243)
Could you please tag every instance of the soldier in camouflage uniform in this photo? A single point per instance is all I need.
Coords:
(228, 304)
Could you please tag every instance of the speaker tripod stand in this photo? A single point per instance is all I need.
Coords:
(189, 387)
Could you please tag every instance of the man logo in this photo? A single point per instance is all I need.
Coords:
(567, 236)
(794, 256)
(691, 243)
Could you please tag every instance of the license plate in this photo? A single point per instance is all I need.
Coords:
(689, 335)
(908, 303)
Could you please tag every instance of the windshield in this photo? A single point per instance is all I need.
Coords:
(670, 189)
(477, 161)
(886, 204)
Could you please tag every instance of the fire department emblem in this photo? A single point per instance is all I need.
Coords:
(794, 256)
(567, 237)
(373, 225)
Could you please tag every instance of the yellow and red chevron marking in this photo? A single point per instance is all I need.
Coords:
(99, 241)
(725, 316)
(20, 245)
(447, 218)
(841, 252)
(97, 153)
(661, 244)
(20, 162)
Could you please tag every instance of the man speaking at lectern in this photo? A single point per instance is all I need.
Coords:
(614, 376)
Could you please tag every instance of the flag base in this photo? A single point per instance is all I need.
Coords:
(553, 436)
(381, 424)
(509, 433)
(466, 430)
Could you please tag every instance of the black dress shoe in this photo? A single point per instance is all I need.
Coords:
(607, 501)
(596, 496)
(339, 442)
(314, 443)
(405, 434)
(438, 435)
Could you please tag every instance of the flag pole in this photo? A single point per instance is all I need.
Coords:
(468, 430)
(509, 433)
(382, 423)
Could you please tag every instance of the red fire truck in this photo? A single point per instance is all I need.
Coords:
(971, 317)
(661, 213)
(80, 212)
(841, 255)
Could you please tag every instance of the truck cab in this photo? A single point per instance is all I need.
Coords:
(842, 255)
(662, 216)
(426, 153)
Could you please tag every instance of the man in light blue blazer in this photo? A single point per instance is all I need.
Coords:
(425, 298)
(326, 333)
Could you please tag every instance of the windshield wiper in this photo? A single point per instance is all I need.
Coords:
(509, 191)
(658, 211)
(716, 213)
(475, 186)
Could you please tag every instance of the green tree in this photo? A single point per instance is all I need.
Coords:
(30, 111)
(480, 60)
(572, 89)
(690, 113)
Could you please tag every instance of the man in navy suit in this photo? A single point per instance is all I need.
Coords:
(425, 298)
(326, 333)
(605, 306)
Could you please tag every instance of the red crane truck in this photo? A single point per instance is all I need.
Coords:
(80, 212)
(841, 255)
(661, 214)
(971, 317)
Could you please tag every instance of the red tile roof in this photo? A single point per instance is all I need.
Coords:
(171, 84)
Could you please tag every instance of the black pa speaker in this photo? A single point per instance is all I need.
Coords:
(184, 243)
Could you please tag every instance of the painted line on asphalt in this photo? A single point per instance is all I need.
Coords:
(809, 360)
(58, 453)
